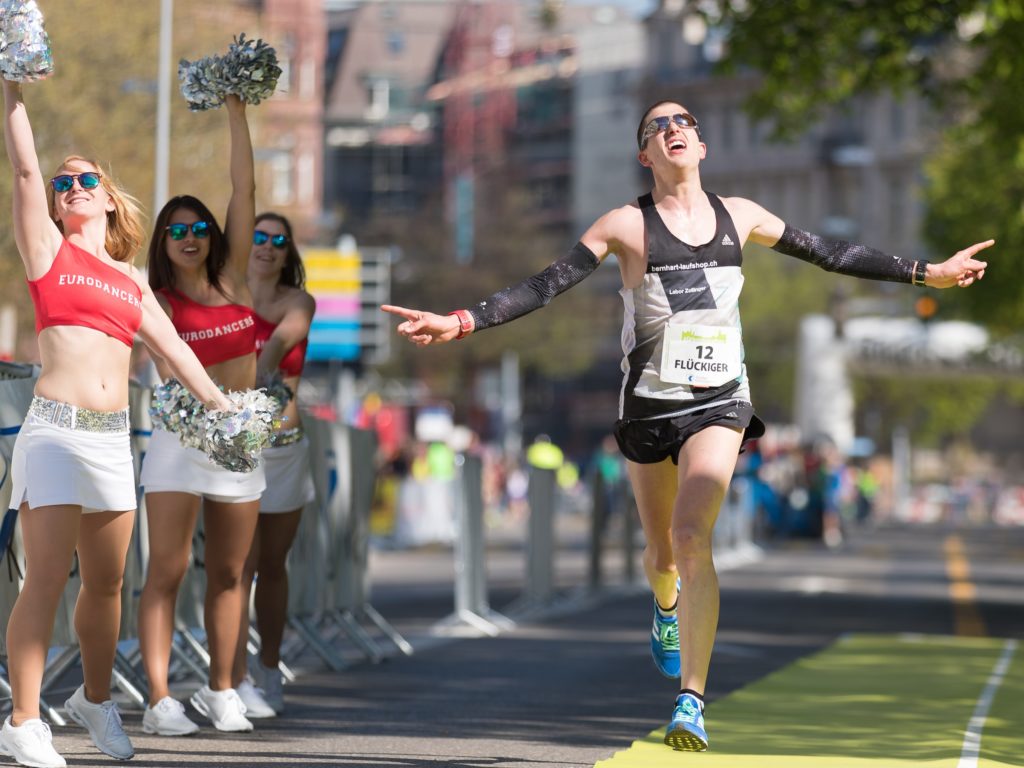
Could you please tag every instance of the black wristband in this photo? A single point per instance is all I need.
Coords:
(920, 272)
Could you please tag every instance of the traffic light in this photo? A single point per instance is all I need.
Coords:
(926, 307)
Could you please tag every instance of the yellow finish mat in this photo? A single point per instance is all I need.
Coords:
(865, 702)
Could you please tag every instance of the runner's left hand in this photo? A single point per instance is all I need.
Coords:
(961, 270)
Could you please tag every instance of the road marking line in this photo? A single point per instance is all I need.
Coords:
(967, 620)
(972, 736)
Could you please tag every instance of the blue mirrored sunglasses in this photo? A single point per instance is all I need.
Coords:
(64, 182)
(259, 237)
(178, 231)
(659, 124)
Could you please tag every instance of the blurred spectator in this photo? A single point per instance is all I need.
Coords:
(768, 511)
(609, 465)
(867, 490)
(516, 487)
(425, 513)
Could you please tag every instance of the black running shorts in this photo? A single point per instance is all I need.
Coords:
(649, 441)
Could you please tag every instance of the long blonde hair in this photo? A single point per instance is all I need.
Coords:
(125, 232)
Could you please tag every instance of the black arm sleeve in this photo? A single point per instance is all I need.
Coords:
(535, 292)
(844, 258)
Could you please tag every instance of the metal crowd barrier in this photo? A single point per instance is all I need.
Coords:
(330, 614)
(732, 544)
(472, 605)
(329, 584)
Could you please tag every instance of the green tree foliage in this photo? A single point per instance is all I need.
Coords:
(934, 410)
(962, 55)
(100, 102)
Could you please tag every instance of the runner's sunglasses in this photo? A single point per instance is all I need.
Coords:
(259, 237)
(200, 229)
(64, 182)
(659, 124)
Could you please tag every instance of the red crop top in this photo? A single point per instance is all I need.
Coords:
(81, 290)
(294, 359)
(215, 334)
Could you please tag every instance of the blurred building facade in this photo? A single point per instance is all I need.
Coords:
(289, 143)
(433, 96)
(427, 95)
(382, 150)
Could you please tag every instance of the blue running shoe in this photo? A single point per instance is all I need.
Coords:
(685, 732)
(665, 644)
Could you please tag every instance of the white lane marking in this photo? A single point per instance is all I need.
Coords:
(972, 736)
(816, 585)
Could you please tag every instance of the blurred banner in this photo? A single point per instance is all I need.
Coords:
(333, 277)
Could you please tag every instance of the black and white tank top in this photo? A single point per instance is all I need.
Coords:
(684, 284)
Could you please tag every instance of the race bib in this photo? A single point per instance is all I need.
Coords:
(701, 355)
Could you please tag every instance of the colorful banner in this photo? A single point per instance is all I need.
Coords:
(333, 277)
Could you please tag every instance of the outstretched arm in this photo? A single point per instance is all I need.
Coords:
(961, 269)
(515, 301)
(502, 307)
(241, 218)
(36, 235)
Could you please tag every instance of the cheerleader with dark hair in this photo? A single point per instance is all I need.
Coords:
(198, 273)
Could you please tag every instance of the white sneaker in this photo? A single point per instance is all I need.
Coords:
(256, 706)
(30, 744)
(224, 708)
(272, 684)
(103, 722)
(167, 718)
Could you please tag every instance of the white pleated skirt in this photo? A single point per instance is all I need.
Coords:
(55, 465)
(170, 466)
(289, 479)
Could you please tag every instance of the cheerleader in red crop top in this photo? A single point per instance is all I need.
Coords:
(198, 273)
(283, 315)
(71, 468)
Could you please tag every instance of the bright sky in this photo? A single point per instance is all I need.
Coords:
(637, 7)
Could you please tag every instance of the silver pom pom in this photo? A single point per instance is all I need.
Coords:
(233, 439)
(200, 83)
(24, 45)
(248, 70)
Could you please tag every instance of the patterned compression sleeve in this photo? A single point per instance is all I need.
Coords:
(845, 258)
(535, 292)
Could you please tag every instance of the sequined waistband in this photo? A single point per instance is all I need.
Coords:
(286, 437)
(70, 416)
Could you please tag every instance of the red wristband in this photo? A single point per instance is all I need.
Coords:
(465, 322)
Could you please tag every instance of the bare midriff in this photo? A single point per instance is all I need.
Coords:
(83, 367)
(236, 374)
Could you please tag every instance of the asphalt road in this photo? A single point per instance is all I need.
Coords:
(574, 686)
